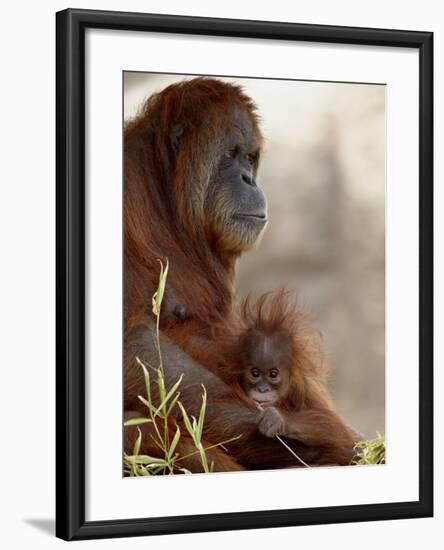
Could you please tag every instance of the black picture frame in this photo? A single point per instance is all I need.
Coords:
(70, 273)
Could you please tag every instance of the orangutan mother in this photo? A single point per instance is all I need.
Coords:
(191, 158)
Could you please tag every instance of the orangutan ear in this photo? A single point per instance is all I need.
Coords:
(175, 137)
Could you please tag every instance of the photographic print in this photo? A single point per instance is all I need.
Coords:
(253, 274)
(244, 274)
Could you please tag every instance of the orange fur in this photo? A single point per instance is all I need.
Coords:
(165, 217)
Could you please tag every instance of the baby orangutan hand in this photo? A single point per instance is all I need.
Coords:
(271, 422)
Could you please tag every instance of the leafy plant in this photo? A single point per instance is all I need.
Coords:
(160, 415)
(371, 451)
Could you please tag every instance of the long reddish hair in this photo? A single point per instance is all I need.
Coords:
(278, 314)
(172, 148)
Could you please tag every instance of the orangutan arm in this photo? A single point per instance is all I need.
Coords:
(225, 415)
(313, 427)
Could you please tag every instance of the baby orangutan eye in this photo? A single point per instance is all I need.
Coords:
(274, 373)
(255, 373)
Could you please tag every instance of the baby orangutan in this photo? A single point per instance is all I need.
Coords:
(266, 370)
(280, 369)
(272, 360)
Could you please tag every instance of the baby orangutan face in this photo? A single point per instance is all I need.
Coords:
(265, 374)
(266, 386)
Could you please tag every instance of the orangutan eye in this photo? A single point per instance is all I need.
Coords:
(274, 373)
(231, 153)
(251, 157)
(255, 373)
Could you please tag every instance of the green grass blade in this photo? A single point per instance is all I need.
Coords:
(186, 419)
(173, 403)
(137, 421)
(147, 403)
(203, 457)
(138, 442)
(174, 443)
(146, 376)
(202, 413)
(161, 385)
(158, 295)
(168, 396)
(146, 460)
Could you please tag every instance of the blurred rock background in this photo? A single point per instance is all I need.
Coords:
(323, 171)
